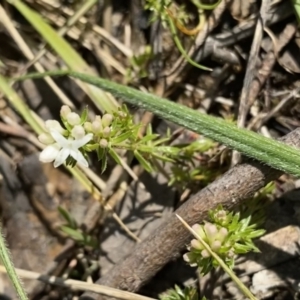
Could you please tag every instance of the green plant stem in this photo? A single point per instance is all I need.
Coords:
(200, 5)
(180, 47)
(273, 153)
(7, 262)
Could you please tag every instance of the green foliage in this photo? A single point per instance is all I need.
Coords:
(232, 234)
(5, 259)
(227, 235)
(117, 131)
(187, 170)
(158, 7)
(162, 10)
(138, 65)
(296, 5)
(188, 293)
(72, 230)
(257, 206)
(274, 153)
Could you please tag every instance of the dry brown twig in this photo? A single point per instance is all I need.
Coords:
(166, 242)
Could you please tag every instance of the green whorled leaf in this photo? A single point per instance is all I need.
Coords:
(200, 146)
(171, 181)
(78, 236)
(251, 247)
(163, 157)
(101, 152)
(235, 221)
(121, 138)
(103, 164)
(245, 223)
(149, 130)
(84, 115)
(255, 249)
(188, 293)
(147, 138)
(174, 151)
(146, 149)
(91, 148)
(144, 163)
(75, 234)
(160, 141)
(256, 233)
(66, 124)
(66, 215)
(241, 248)
(296, 5)
(115, 156)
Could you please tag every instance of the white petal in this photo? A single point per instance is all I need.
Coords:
(49, 153)
(78, 156)
(59, 138)
(81, 142)
(61, 157)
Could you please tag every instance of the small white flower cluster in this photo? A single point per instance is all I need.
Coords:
(101, 128)
(210, 234)
(65, 143)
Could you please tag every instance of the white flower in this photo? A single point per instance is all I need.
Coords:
(63, 148)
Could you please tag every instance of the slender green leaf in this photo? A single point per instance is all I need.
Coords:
(101, 152)
(296, 4)
(121, 138)
(84, 115)
(115, 156)
(144, 163)
(148, 138)
(66, 215)
(103, 164)
(73, 233)
(5, 258)
(273, 153)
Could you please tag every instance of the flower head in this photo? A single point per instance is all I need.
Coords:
(63, 148)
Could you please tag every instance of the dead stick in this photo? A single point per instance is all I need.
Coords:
(166, 242)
